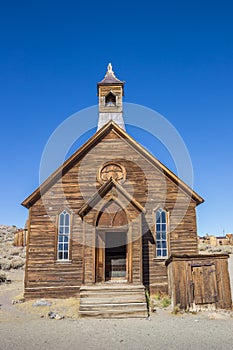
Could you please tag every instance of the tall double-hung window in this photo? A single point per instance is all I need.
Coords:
(161, 233)
(63, 236)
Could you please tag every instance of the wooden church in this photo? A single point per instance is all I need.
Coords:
(107, 246)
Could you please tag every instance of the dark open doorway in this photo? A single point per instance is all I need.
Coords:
(115, 256)
(112, 249)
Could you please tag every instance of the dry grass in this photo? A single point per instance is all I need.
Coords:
(66, 307)
(160, 301)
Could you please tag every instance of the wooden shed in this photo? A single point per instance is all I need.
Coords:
(198, 282)
(21, 238)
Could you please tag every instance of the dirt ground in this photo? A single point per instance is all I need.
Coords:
(24, 326)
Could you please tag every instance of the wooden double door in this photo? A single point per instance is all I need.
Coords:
(111, 256)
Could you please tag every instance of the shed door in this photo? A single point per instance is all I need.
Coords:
(205, 284)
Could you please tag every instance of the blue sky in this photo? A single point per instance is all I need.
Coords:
(176, 58)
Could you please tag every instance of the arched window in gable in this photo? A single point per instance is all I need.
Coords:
(63, 244)
(161, 233)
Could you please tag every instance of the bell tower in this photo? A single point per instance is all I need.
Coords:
(110, 93)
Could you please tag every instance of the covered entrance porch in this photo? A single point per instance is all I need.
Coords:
(112, 255)
(112, 245)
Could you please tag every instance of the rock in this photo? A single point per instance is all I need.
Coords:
(18, 301)
(3, 277)
(54, 315)
(42, 302)
(59, 317)
(219, 316)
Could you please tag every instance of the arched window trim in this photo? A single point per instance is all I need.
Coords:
(63, 246)
(161, 233)
(101, 206)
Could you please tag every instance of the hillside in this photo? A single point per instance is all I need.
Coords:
(220, 249)
(11, 257)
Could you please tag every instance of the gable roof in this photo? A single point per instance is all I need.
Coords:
(106, 129)
(102, 191)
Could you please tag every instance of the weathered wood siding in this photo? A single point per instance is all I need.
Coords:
(21, 238)
(149, 186)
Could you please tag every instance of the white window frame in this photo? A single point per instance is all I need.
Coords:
(63, 236)
(161, 228)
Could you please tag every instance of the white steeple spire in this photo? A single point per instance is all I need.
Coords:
(110, 92)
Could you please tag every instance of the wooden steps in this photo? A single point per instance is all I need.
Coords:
(113, 301)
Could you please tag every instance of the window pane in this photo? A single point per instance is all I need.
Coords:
(60, 247)
(163, 216)
(164, 252)
(66, 255)
(159, 252)
(67, 229)
(66, 246)
(164, 244)
(164, 235)
(158, 244)
(164, 227)
(60, 238)
(157, 217)
(67, 223)
(61, 219)
(66, 238)
(61, 230)
(158, 236)
(60, 255)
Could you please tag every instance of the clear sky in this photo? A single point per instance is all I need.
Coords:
(175, 56)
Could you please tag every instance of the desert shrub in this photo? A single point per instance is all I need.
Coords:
(23, 254)
(161, 300)
(3, 276)
(216, 249)
(156, 296)
(166, 301)
(5, 264)
(16, 251)
(17, 263)
(202, 247)
(176, 309)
